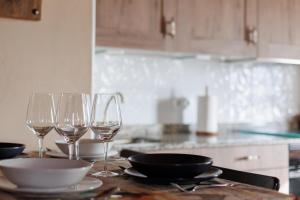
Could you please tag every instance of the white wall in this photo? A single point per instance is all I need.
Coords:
(51, 55)
(247, 91)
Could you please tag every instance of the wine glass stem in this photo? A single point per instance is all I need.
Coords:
(105, 156)
(71, 147)
(76, 150)
(41, 148)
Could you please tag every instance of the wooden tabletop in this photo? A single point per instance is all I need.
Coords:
(141, 191)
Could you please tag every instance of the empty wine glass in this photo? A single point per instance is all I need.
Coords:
(40, 116)
(72, 119)
(106, 121)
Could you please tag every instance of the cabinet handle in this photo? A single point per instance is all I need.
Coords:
(249, 157)
(252, 35)
(169, 28)
(35, 11)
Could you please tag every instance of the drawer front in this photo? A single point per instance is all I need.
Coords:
(243, 157)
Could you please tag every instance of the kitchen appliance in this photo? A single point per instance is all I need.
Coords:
(171, 110)
(294, 169)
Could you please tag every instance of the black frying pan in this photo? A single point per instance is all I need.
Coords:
(170, 165)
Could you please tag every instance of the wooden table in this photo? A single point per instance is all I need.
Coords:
(158, 192)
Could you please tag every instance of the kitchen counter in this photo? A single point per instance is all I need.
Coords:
(262, 154)
(191, 141)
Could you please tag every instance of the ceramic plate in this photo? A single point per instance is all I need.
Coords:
(87, 184)
(210, 174)
(57, 154)
(44, 172)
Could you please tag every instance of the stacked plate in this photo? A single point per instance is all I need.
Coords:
(89, 149)
(166, 168)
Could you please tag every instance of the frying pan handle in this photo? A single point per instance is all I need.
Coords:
(126, 153)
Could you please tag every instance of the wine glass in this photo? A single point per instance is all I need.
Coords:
(72, 119)
(106, 121)
(40, 116)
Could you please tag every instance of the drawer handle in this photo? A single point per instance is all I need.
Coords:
(252, 35)
(250, 157)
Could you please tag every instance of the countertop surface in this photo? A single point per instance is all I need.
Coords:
(191, 140)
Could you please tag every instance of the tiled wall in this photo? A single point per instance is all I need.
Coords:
(246, 91)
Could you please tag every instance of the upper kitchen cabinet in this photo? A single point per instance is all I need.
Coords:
(224, 27)
(129, 23)
(279, 29)
(236, 28)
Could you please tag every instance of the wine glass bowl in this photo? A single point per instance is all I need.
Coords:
(73, 119)
(105, 131)
(106, 121)
(40, 116)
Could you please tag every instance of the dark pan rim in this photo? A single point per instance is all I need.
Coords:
(14, 145)
(131, 159)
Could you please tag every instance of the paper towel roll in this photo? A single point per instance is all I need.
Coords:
(207, 117)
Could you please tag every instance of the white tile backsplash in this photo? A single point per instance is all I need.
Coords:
(247, 91)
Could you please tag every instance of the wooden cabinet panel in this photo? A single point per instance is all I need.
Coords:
(279, 29)
(129, 23)
(29, 10)
(251, 157)
(216, 26)
(202, 26)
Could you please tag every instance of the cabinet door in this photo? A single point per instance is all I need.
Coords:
(216, 26)
(279, 29)
(129, 23)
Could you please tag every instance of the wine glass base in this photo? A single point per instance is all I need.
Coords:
(105, 174)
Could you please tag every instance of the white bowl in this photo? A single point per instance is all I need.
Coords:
(87, 147)
(44, 172)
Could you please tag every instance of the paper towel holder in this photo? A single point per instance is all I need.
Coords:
(207, 123)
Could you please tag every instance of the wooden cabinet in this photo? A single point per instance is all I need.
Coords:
(247, 28)
(212, 27)
(269, 160)
(129, 23)
(279, 29)
(216, 26)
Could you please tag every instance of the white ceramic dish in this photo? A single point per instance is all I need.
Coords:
(58, 154)
(87, 184)
(44, 172)
(87, 147)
